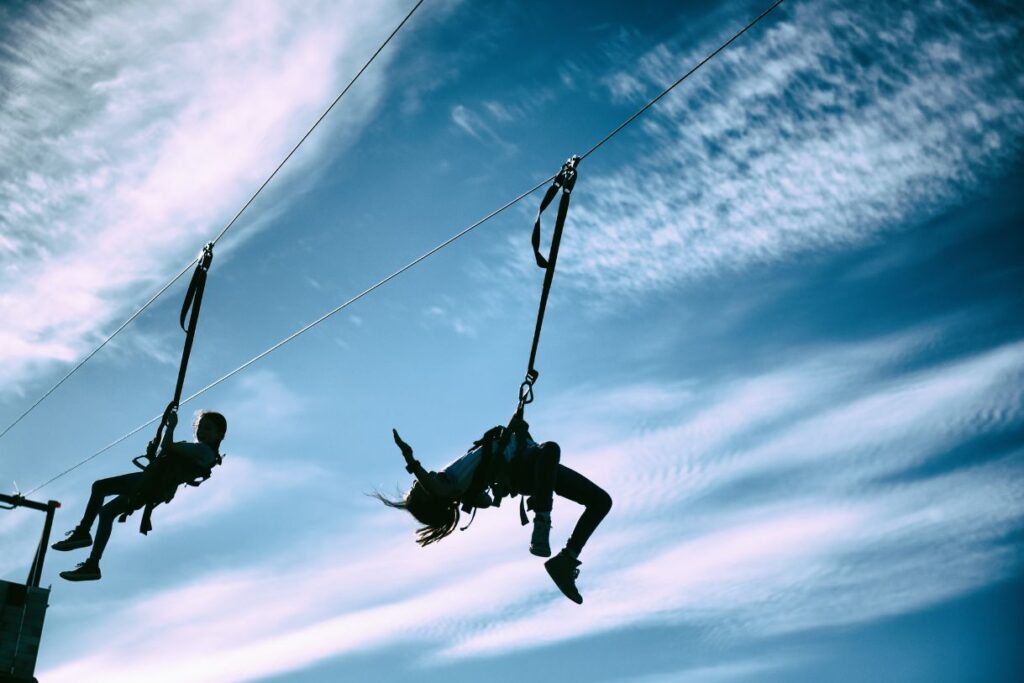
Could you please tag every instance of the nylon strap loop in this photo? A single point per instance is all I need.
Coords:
(196, 285)
(566, 181)
(190, 308)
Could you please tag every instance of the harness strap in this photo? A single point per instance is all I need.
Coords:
(486, 472)
(566, 181)
(163, 476)
(484, 469)
(190, 307)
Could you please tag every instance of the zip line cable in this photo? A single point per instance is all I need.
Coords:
(305, 328)
(322, 116)
(415, 261)
(97, 349)
(224, 230)
(682, 78)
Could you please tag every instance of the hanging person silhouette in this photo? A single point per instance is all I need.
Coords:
(180, 462)
(507, 461)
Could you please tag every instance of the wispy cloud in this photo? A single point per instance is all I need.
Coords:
(746, 670)
(822, 538)
(826, 127)
(262, 403)
(776, 515)
(476, 126)
(133, 133)
(444, 316)
(239, 481)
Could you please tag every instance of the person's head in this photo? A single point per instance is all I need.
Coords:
(489, 436)
(210, 427)
(439, 516)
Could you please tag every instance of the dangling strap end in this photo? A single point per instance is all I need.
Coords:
(472, 517)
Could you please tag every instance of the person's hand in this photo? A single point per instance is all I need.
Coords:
(403, 446)
(518, 425)
(172, 419)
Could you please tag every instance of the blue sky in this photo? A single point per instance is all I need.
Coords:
(784, 334)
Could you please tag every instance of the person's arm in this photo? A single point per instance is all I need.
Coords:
(519, 426)
(197, 453)
(436, 484)
(171, 423)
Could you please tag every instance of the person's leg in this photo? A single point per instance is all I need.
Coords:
(90, 569)
(103, 488)
(564, 567)
(546, 457)
(79, 537)
(108, 513)
(536, 477)
(574, 486)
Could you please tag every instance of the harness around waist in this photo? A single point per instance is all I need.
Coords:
(159, 484)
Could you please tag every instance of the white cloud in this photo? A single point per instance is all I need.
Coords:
(467, 120)
(133, 133)
(238, 481)
(818, 541)
(474, 125)
(444, 317)
(819, 130)
(817, 538)
(745, 670)
(262, 403)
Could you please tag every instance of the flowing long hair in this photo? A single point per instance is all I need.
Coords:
(439, 516)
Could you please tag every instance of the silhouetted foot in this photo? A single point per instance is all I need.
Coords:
(563, 569)
(539, 545)
(85, 571)
(76, 538)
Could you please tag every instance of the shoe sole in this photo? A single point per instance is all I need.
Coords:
(64, 547)
(540, 552)
(68, 576)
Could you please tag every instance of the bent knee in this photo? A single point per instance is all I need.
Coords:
(602, 502)
(550, 451)
(113, 508)
(108, 513)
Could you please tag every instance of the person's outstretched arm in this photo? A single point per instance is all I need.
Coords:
(435, 484)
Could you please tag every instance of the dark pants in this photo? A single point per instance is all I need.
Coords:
(113, 486)
(536, 472)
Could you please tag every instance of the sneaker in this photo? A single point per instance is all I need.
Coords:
(76, 538)
(539, 545)
(563, 569)
(85, 571)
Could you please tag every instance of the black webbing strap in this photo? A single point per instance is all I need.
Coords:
(189, 308)
(193, 301)
(482, 475)
(161, 479)
(565, 180)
